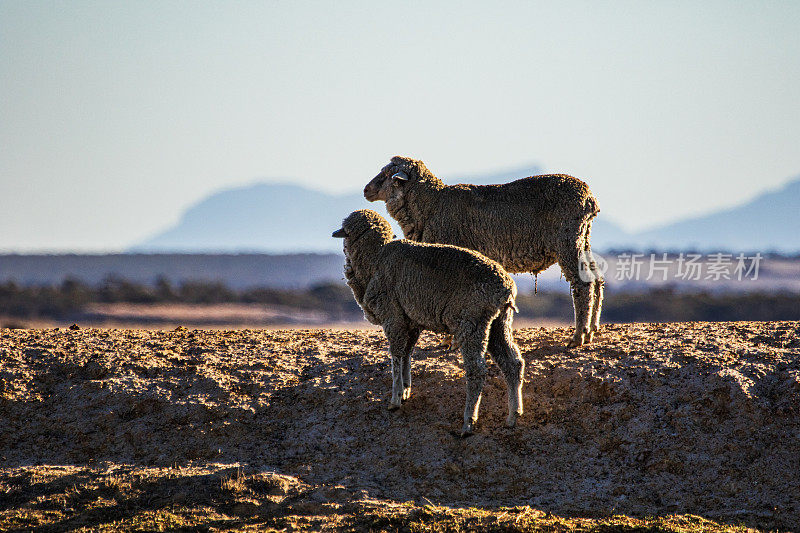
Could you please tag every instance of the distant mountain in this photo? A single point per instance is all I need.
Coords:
(768, 222)
(281, 217)
(275, 217)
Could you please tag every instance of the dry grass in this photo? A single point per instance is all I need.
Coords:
(234, 483)
(141, 499)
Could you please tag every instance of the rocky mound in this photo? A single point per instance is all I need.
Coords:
(653, 419)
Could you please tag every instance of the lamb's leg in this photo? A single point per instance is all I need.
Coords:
(473, 347)
(397, 384)
(401, 342)
(412, 340)
(406, 378)
(476, 377)
(506, 354)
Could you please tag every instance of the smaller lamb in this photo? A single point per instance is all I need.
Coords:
(407, 287)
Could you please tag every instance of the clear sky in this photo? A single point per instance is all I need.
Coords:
(116, 116)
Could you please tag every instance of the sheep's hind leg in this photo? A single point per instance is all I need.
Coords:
(473, 350)
(594, 323)
(573, 262)
(506, 354)
(582, 297)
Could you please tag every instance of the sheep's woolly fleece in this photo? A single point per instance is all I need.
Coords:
(652, 419)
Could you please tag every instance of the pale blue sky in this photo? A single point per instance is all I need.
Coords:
(115, 116)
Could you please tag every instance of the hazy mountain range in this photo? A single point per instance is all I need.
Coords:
(768, 222)
(282, 217)
(275, 217)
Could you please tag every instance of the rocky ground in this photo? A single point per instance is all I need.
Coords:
(680, 427)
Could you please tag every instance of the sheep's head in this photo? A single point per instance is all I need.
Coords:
(400, 173)
(370, 231)
(364, 223)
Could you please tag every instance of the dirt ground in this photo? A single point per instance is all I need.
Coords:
(131, 429)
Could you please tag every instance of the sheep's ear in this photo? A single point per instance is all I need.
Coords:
(339, 233)
(398, 178)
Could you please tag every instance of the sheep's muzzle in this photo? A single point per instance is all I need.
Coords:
(371, 192)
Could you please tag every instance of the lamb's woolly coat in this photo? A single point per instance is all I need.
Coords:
(526, 225)
(407, 287)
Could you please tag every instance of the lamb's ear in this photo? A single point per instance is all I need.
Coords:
(339, 233)
(399, 178)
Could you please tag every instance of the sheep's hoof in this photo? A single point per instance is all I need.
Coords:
(576, 341)
(406, 393)
(589, 337)
(511, 421)
(394, 406)
(467, 429)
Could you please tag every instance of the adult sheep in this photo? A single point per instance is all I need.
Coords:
(407, 287)
(526, 225)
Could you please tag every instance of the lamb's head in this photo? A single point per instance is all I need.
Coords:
(396, 177)
(364, 232)
(364, 229)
